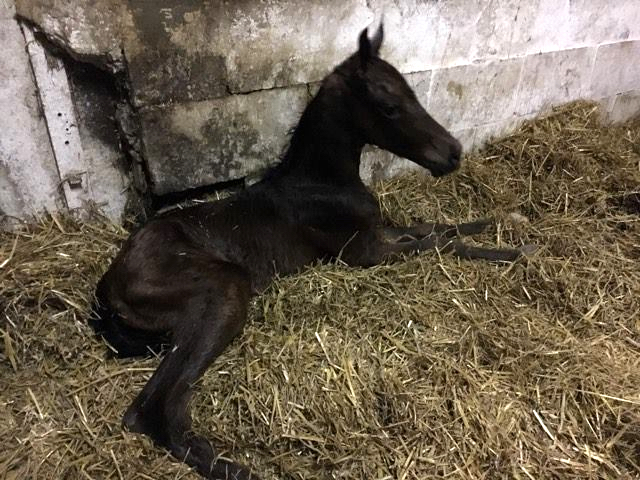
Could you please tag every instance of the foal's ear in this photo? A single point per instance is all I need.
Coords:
(369, 48)
(364, 47)
(377, 40)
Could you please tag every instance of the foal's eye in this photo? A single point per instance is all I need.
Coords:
(390, 111)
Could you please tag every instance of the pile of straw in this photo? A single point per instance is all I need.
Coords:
(428, 368)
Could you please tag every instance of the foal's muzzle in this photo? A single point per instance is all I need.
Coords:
(445, 158)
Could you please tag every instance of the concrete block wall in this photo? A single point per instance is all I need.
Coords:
(216, 85)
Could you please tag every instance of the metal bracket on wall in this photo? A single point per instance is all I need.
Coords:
(57, 105)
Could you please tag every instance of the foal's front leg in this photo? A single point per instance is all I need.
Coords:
(447, 230)
(446, 244)
(428, 236)
(373, 247)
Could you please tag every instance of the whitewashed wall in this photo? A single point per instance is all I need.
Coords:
(216, 85)
(28, 175)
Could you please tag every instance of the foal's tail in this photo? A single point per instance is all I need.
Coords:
(124, 340)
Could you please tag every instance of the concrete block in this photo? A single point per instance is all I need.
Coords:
(551, 25)
(28, 175)
(494, 28)
(425, 35)
(171, 55)
(202, 143)
(266, 48)
(466, 96)
(188, 51)
(476, 30)
(415, 39)
(623, 107)
(616, 69)
(7, 9)
(420, 82)
(542, 26)
(554, 78)
(88, 31)
(598, 21)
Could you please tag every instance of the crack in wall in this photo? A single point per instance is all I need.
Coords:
(132, 146)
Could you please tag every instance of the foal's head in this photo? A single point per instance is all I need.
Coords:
(386, 112)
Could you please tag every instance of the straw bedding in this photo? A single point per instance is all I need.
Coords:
(428, 368)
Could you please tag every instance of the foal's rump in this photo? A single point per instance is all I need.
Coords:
(139, 298)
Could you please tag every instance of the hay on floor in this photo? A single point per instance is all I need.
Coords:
(428, 368)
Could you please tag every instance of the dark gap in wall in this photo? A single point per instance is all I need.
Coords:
(185, 198)
(95, 96)
(100, 98)
(129, 127)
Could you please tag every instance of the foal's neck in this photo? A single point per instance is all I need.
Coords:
(324, 146)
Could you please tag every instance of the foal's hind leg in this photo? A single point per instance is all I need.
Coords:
(371, 248)
(212, 316)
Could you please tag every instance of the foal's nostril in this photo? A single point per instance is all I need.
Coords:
(455, 152)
